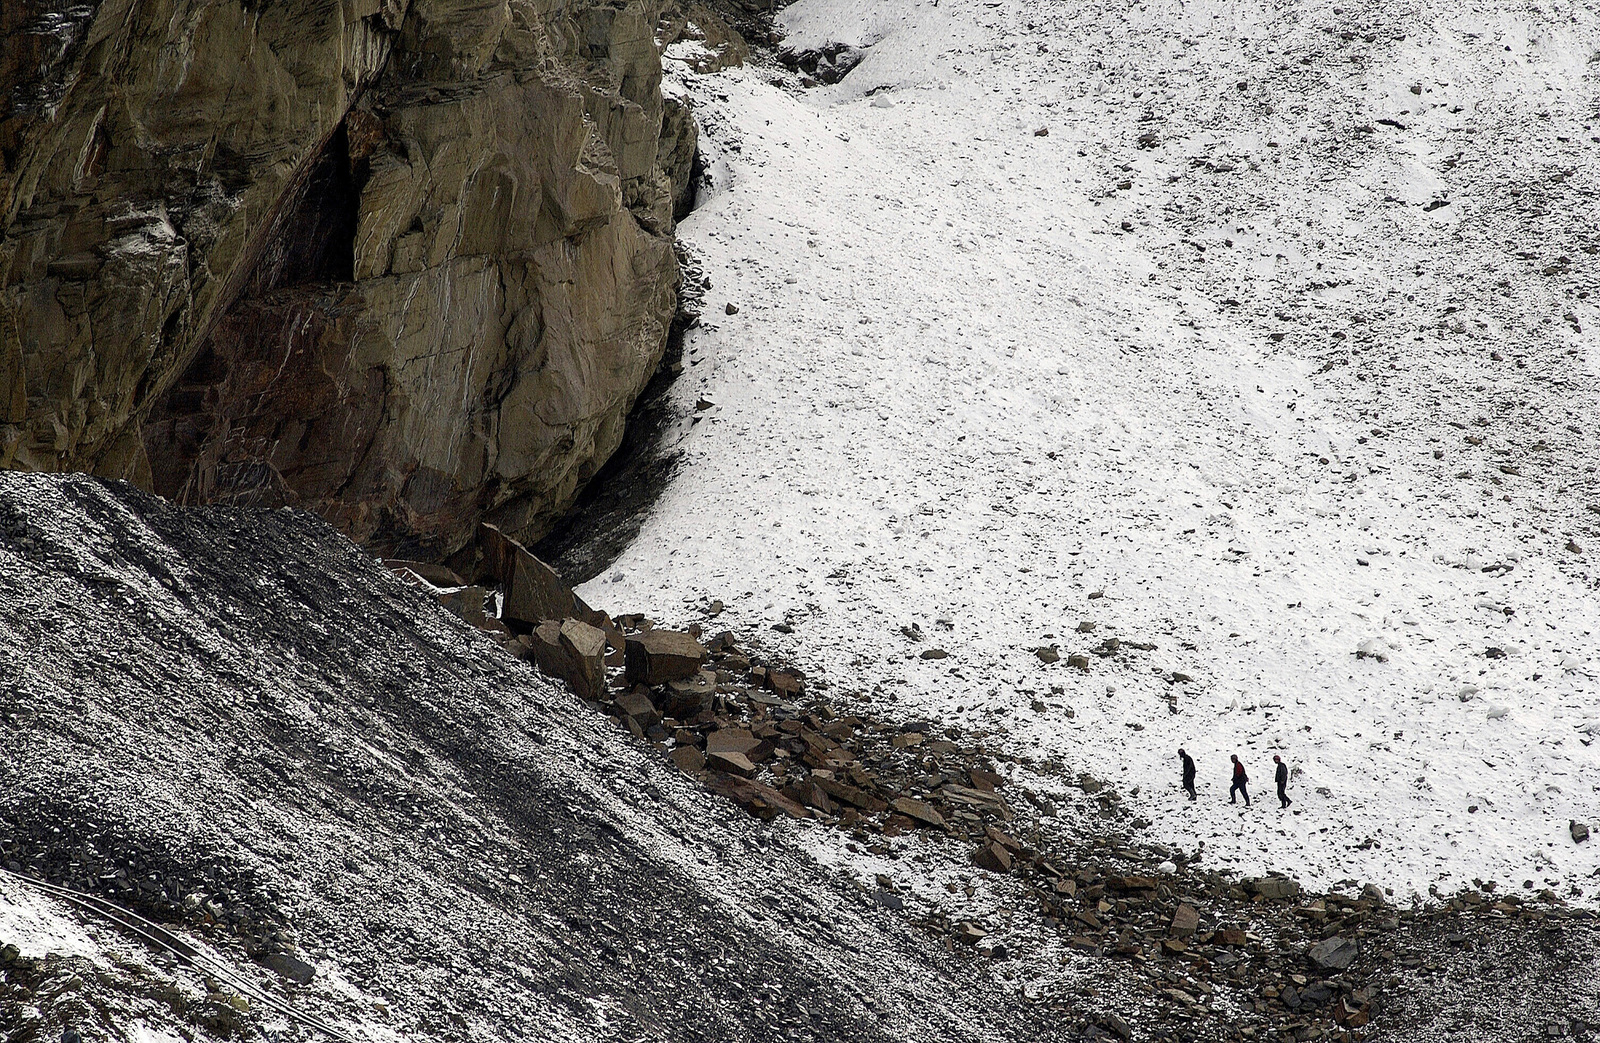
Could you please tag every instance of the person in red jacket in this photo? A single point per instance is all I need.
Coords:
(1239, 781)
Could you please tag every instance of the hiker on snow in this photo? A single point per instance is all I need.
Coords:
(1239, 781)
(1188, 773)
(1283, 782)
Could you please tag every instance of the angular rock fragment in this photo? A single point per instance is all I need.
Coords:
(533, 593)
(1274, 887)
(919, 811)
(637, 706)
(728, 761)
(760, 800)
(658, 656)
(993, 857)
(585, 648)
(1333, 954)
(687, 759)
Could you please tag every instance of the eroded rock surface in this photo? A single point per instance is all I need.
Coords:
(407, 263)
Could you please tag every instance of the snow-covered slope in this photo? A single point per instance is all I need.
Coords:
(1257, 332)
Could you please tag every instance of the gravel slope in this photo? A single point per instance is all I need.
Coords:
(240, 724)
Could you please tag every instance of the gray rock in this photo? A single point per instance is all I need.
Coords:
(1275, 887)
(292, 967)
(1333, 954)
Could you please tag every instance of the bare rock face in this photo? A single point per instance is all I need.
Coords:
(407, 263)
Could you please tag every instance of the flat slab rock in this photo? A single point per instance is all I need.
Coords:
(1333, 954)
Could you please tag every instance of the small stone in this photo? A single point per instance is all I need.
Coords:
(291, 967)
(731, 308)
(1275, 887)
(636, 705)
(970, 933)
(993, 857)
(1185, 921)
(1048, 654)
(935, 653)
(1579, 831)
(1086, 627)
(1042, 132)
(1080, 662)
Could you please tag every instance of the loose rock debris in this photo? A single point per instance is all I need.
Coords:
(1271, 960)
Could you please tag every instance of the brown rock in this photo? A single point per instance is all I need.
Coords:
(1185, 921)
(533, 591)
(847, 794)
(919, 811)
(733, 763)
(689, 760)
(785, 683)
(731, 740)
(437, 575)
(1131, 883)
(993, 857)
(1231, 936)
(637, 706)
(759, 799)
(685, 698)
(658, 656)
(469, 604)
(987, 781)
(585, 647)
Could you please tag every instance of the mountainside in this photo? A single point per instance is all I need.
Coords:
(238, 724)
(1175, 375)
(403, 262)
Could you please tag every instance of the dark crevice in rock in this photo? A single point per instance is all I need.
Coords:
(213, 436)
(316, 240)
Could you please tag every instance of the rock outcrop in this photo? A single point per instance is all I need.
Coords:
(406, 263)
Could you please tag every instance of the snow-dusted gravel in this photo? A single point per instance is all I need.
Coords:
(1207, 365)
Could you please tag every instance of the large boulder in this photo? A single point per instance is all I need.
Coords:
(407, 263)
(658, 656)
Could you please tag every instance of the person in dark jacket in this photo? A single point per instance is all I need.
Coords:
(1283, 781)
(1240, 779)
(1188, 774)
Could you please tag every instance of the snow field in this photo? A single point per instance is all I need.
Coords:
(1207, 350)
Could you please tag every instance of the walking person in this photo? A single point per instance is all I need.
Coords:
(1282, 775)
(1240, 780)
(1188, 774)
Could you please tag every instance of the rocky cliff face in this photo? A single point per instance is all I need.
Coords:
(404, 262)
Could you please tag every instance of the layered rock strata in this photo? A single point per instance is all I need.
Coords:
(407, 263)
